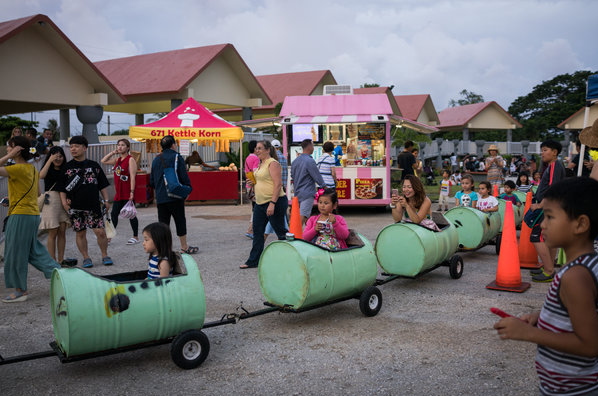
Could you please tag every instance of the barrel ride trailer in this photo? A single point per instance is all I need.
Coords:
(297, 275)
(409, 250)
(476, 229)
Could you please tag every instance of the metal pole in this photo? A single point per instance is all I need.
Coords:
(241, 172)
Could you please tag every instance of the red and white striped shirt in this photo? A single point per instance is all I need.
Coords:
(563, 373)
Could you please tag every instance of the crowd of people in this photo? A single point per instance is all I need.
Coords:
(75, 193)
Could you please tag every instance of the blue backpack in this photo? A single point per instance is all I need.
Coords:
(174, 188)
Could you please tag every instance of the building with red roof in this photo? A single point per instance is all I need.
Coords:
(214, 75)
(477, 116)
(43, 70)
(418, 108)
(279, 86)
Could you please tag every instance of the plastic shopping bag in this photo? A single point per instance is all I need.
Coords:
(128, 211)
(109, 227)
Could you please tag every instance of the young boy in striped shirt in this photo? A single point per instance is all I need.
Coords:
(566, 329)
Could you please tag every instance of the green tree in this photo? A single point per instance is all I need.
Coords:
(9, 122)
(52, 125)
(467, 97)
(549, 103)
(401, 134)
(120, 132)
(369, 85)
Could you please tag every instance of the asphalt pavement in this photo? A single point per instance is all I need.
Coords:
(433, 335)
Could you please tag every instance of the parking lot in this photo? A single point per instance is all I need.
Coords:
(433, 335)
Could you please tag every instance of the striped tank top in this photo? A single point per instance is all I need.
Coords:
(153, 272)
(559, 372)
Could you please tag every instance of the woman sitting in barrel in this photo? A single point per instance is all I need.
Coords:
(327, 229)
(413, 206)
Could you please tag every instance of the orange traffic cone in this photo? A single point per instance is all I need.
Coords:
(508, 274)
(495, 191)
(295, 227)
(528, 257)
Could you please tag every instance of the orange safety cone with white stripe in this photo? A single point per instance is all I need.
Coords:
(508, 274)
(528, 257)
(295, 226)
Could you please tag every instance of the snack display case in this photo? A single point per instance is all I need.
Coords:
(360, 126)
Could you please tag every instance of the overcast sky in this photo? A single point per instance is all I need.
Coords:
(499, 49)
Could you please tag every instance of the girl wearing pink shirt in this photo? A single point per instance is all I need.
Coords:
(327, 229)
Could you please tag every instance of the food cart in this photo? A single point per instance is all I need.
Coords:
(361, 126)
(192, 122)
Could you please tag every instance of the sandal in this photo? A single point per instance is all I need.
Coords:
(17, 296)
(87, 263)
(132, 241)
(245, 266)
(190, 250)
(107, 261)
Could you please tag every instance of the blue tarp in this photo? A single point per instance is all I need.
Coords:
(592, 87)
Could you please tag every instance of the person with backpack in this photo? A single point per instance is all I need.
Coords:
(170, 203)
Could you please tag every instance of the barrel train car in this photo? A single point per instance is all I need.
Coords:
(100, 315)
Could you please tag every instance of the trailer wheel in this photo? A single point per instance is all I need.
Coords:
(497, 244)
(456, 266)
(189, 349)
(370, 301)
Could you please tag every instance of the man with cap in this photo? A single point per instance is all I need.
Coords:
(284, 165)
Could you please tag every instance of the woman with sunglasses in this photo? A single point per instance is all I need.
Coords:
(125, 170)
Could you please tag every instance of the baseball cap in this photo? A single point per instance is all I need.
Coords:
(275, 143)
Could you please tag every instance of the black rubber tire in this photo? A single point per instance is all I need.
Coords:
(497, 244)
(456, 266)
(189, 349)
(370, 301)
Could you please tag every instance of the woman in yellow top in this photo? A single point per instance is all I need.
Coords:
(271, 201)
(21, 245)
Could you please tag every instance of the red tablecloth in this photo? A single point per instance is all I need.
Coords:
(214, 185)
(143, 193)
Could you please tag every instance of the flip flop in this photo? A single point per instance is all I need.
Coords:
(190, 250)
(132, 241)
(17, 296)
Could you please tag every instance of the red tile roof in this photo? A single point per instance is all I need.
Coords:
(159, 73)
(411, 105)
(279, 86)
(459, 116)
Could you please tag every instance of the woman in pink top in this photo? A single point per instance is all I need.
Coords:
(252, 162)
(327, 229)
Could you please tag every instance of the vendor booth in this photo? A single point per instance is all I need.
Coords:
(192, 122)
(360, 126)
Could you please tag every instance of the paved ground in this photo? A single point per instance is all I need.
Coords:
(433, 335)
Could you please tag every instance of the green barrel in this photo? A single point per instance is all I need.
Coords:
(534, 189)
(91, 313)
(517, 212)
(408, 249)
(521, 195)
(474, 227)
(299, 274)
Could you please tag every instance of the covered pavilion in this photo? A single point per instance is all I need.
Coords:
(576, 120)
(477, 117)
(43, 70)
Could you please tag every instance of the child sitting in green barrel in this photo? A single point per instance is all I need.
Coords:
(327, 229)
(157, 242)
(486, 202)
(508, 195)
(467, 197)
